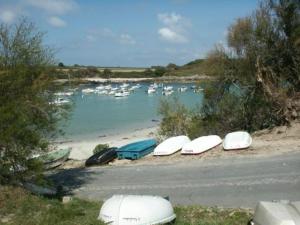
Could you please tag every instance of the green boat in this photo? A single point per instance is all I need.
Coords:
(55, 158)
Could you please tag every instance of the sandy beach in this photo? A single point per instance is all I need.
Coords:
(277, 141)
(83, 149)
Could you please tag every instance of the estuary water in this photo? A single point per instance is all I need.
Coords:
(96, 115)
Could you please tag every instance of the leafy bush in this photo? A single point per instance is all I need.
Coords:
(175, 118)
(100, 148)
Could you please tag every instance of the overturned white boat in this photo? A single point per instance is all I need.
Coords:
(201, 144)
(137, 210)
(277, 213)
(237, 140)
(171, 145)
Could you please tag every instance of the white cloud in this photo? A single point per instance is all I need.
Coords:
(175, 27)
(54, 6)
(171, 36)
(7, 16)
(126, 39)
(56, 21)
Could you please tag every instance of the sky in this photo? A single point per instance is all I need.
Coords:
(133, 33)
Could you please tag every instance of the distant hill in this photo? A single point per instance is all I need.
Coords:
(195, 67)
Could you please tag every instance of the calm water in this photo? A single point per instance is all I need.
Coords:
(96, 115)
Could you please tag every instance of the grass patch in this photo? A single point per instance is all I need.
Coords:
(19, 207)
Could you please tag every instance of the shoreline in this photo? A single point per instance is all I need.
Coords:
(166, 79)
(82, 149)
(277, 141)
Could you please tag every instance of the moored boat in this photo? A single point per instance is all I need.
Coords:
(101, 158)
(137, 210)
(151, 90)
(167, 92)
(119, 94)
(171, 145)
(237, 140)
(168, 88)
(182, 89)
(201, 144)
(88, 90)
(61, 101)
(136, 150)
(55, 158)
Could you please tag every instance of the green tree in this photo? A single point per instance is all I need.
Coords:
(27, 120)
(107, 73)
(175, 118)
(257, 82)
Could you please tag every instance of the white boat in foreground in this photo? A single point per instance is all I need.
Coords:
(277, 213)
(171, 145)
(137, 210)
(237, 140)
(201, 144)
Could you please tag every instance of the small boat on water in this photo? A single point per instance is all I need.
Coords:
(107, 87)
(103, 92)
(151, 90)
(237, 140)
(122, 94)
(171, 145)
(182, 89)
(167, 92)
(137, 210)
(277, 213)
(136, 86)
(114, 88)
(67, 93)
(101, 158)
(124, 85)
(100, 87)
(88, 90)
(136, 150)
(168, 88)
(61, 101)
(55, 158)
(201, 144)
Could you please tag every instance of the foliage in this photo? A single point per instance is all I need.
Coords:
(175, 118)
(100, 148)
(107, 73)
(19, 207)
(27, 120)
(258, 78)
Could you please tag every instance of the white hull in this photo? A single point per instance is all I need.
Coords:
(171, 145)
(137, 210)
(237, 140)
(201, 144)
(151, 91)
(277, 213)
(88, 90)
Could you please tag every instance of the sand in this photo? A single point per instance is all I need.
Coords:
(81, 150)
(279, 140)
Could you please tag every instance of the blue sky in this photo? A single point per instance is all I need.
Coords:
(129, 32)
